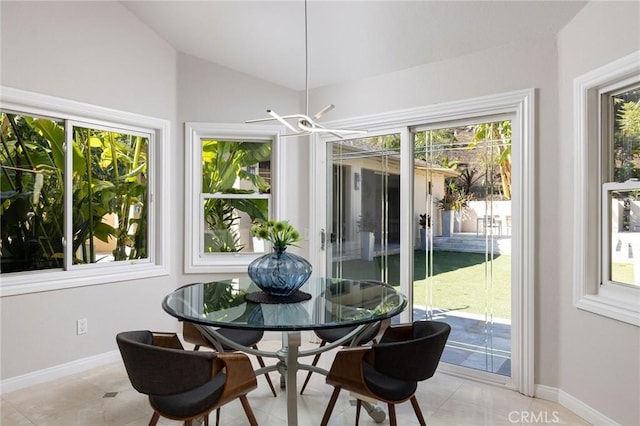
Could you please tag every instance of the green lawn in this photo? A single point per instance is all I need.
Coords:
(458, 280)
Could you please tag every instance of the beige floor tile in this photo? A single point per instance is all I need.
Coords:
(445, 400)
(553, 413)
(10, 416)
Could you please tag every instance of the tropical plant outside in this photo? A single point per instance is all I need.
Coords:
(499, 136)
(232, 168)
(626, 141)
(109, 194)
(455, 198)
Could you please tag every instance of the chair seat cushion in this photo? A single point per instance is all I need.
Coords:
(332, 334)
(192, 402)
(243, 337)
(386, 387)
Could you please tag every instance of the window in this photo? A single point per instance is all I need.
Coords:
(607, 148)
(229, 186)
(78, 194)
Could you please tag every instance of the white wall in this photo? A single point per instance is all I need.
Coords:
(599, 358)
(96, 53)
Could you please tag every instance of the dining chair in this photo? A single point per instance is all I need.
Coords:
(390, 370)
(248, 338)
(331, 335)
(184, 385)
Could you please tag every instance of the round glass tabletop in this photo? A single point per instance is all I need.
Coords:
(333, 302)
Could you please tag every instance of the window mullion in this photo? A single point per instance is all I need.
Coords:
(68, 195)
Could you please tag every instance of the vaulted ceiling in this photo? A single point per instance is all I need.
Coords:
(347, 40)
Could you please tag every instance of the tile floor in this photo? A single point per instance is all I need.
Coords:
(104, 396)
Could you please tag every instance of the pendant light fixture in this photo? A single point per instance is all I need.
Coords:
(303, 124)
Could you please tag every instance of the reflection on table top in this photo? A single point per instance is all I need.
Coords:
(334, 302)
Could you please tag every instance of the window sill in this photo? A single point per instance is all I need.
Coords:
(34, 282)
(610, 307)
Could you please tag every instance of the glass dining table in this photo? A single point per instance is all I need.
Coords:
(321, 303)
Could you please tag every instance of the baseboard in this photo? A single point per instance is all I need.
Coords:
(546, 392)
(574, 404)
(58, 371)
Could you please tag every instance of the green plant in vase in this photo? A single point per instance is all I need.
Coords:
(278, 273)
(280, 233)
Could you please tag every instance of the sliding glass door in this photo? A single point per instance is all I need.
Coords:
(443, 208)
(461, 251)
(363, 205)
(462, 255)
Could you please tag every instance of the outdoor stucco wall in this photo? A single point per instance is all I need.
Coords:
(592, 349)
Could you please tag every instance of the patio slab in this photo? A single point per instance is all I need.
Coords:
(473, 342)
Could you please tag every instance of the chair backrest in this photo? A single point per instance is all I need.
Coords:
(415, 359)
(155, 370)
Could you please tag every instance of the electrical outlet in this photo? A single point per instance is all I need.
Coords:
(82, 326)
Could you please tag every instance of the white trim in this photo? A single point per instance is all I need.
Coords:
(49, 106)
(477, 376)
(58, 371)
(317, 254)
(406, 216)
(522, 105)
(586, 293)
(572, 403)
(194, 261)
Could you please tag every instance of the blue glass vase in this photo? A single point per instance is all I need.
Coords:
(279, 273)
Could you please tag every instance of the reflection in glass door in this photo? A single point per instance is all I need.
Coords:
(462, 258)
(364, 208)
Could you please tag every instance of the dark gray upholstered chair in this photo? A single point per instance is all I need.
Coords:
(390, 371)
(184, 385)
(331, 335)
(248, 338)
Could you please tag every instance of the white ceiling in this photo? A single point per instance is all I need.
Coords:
(348, 40)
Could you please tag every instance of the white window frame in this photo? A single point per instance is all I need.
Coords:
(78, 113)
(618, 302)
(195, 260)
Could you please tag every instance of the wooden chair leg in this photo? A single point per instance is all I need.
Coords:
(266, 375)
(358, 407)
(248, 411)
(206, 420)
(154, 419)
(314, 363)
(392, 415)
(332, 402)
(418, 411)
(188, 423)
(218, 417)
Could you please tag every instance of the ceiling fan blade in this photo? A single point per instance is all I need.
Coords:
(323, 111)
(260, 120)
(281, 120)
